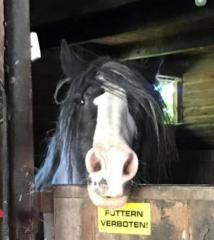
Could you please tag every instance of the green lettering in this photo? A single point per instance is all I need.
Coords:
(103, 223)
(114, 223)
(108, 223)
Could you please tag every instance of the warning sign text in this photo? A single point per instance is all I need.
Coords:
(133, 218)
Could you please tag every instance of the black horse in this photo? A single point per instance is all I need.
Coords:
(112, 132)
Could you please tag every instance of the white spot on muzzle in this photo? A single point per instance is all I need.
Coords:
(111, 159)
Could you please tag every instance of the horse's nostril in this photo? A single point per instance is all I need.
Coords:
(130, 167)
(93, 163)
(97, 167)
(126, 168)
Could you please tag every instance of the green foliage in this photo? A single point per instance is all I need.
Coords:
(168, 91)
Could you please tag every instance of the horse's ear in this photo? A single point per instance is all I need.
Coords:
(71, 63)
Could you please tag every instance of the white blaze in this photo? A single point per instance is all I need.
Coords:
(114, 122)
(111, 162)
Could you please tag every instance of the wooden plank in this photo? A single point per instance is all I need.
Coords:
(43, 201)
(198, 76)
(67, 191)
(174, 192)
(201, 119)
(181, 43)
(199, 102)
(145, 192)
(195, 110)
(48, 226)
(78, 214)
(199, 86)
(200, 94)
(200, 80)
(201, 217)
(165, 28)
(198, 98)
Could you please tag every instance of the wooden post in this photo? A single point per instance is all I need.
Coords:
(4, 170)
(20, 137)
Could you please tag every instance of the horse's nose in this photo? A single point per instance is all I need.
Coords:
(115, 165)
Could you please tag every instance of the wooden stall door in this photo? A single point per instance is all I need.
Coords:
(177, 213)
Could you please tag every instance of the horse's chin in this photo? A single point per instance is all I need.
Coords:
(106, 202)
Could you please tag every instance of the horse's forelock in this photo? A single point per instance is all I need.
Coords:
(137, 88)
(148, 105)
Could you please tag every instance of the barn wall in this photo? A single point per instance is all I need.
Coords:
(196, 136)
(198, 97)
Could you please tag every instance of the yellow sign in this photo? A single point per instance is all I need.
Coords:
(132, 218)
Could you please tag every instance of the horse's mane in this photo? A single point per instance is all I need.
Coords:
(153, 143)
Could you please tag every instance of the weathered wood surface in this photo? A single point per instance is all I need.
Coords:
(165, 43)
(177, 213)
(198, 97)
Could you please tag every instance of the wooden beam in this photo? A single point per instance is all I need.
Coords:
(163, 28)
(185, 43)
(146, 192)
(138, 15)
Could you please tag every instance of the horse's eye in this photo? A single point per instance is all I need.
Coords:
(79, 101)
(82, 101)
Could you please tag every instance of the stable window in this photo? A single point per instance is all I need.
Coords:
(170, 90)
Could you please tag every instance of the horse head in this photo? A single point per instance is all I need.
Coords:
(110, 132)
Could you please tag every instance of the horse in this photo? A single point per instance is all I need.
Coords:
(111, 133)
